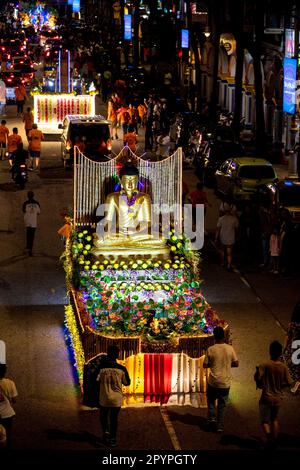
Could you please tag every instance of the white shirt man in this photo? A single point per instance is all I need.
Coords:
(219, 358)
(31, 209)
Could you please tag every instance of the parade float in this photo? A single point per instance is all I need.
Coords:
(51, 107)
(37, 14)
(139, 291)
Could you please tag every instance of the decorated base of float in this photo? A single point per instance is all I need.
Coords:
(151, 306)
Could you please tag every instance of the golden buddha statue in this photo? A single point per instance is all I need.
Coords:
(128, 221)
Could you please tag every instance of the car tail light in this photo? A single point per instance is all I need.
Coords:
(69, 145)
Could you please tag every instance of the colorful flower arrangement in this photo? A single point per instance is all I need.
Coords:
(131, 308)
(156, 298)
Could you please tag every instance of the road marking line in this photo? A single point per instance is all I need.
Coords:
(281, 326)
(245, 282)
(169, 427)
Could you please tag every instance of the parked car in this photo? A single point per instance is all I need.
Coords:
(283, 195)
(93, 131)
(239, 178)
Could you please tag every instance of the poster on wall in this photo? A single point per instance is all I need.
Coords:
(76, 6)
(184, 38)
(289, 85)
(127, 28)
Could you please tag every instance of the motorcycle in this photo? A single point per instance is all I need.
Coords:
(20, 174)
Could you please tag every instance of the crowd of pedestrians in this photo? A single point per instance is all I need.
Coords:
(12, 145)
(255, 235)
(150, 115)
(272, 377)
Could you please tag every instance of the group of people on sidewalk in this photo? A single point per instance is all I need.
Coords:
(258, 236)
(150, 114)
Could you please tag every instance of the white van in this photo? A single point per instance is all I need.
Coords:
(90, 133)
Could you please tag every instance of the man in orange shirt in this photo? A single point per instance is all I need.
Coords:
(142, 113)
(123, 118)
(13, 141)
(3, 138)
(35, 137)
(20, 93)
(28, 120)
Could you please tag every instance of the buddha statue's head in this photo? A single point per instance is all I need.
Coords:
(129, 176)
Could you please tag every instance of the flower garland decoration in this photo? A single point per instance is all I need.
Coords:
(75, 341)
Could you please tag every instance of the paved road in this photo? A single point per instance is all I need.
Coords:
(32, 299)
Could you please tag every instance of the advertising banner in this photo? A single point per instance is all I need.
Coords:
(184, 38)
(76, 6)
(289, 85)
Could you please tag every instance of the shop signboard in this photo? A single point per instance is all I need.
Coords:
(127, 28)
(184, 38)
(289, 85)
